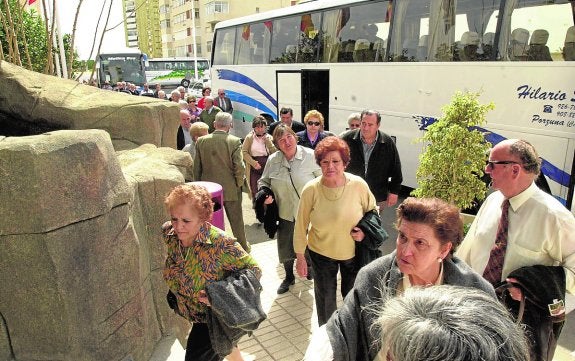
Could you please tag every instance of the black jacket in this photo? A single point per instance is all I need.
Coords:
(541, 286)
(384, 168)
(368, 249)
(267, 214)
(295, 126)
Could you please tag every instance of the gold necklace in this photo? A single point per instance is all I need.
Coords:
(335, 192)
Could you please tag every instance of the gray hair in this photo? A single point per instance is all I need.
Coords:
(175, 92)
(223, 120)
(449, 323)
(526, 152)
(353, 116)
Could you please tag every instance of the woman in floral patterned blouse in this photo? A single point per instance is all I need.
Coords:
(198, 253)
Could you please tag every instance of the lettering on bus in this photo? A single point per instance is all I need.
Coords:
(529, 92)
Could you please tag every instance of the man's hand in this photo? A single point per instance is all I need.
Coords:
(515, 292)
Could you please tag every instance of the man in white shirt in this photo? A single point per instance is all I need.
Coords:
(541, 231)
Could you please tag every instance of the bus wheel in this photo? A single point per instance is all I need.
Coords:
(185, 83)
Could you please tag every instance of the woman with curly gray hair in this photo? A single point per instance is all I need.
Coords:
(449, 323)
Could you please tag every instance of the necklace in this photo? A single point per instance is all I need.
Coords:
(182, 251)
(333, 194)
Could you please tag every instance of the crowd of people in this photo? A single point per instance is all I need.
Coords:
(440, 295)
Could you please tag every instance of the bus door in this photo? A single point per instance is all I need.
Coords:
(315, 93)
(303, 90)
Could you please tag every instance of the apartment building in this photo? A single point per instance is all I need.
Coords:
(142, 26)
(180, 20)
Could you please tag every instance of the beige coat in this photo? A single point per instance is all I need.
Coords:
(251, 162)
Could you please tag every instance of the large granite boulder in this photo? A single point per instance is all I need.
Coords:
(80, 248)
(39, 102)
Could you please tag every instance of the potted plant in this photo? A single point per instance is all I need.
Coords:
(452, 165)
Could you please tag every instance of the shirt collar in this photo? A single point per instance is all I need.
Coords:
(518, 200)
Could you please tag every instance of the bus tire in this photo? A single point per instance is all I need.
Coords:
(185, 83)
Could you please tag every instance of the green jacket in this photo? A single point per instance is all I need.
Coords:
(219, 160)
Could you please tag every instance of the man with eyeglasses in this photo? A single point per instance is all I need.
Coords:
(286, 117)
(521, 226)
(223, 102)
(375, 158)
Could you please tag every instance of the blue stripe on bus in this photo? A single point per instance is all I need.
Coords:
(259, 107)
(554, 173)
(231, 75)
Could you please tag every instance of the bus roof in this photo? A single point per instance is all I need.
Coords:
(177, 58)
(289, 10)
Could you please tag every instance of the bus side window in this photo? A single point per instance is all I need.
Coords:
(538, 50)
(569, 46)
(487, 45)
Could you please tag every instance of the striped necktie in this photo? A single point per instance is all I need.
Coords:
(494, 266)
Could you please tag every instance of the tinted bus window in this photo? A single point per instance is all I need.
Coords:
(253, 43)
(538, 31)
(224, 47)
(284, 40)
(361, 33)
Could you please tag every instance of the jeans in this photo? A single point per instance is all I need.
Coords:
(325, 282)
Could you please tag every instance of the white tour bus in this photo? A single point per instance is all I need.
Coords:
(169, 72)
(406, 59)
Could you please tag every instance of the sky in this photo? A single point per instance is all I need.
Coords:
(87, 20)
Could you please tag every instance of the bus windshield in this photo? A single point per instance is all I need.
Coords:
(121, 67)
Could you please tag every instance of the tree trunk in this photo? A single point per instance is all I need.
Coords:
(49, 69)
(102, 38)
(72, 38)
(16, 58)
(23, 37)
(94, 40)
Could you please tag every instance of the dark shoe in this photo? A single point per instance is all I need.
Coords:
(284, 286)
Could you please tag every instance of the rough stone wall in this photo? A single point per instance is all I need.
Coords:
(80, 252)
(38, 101)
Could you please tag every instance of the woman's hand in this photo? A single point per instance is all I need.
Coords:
(203, 298)
(301, 265)
(257, 166)
(269, 200)
(357, 234)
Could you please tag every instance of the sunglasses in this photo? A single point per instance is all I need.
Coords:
(491, 164)
(317, 124)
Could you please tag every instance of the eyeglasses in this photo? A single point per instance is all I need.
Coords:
(491, 164)
(353, 126)
(317, 124)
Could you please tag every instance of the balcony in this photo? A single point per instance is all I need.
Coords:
(216, 17)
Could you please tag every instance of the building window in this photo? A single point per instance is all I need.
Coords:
(164, 9)
(165, 24)
(217, 7)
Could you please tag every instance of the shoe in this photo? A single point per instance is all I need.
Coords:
(284, 286)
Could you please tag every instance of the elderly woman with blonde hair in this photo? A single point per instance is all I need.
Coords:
(314, 132)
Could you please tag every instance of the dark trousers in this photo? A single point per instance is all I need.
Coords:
(199, 346)
(325, 282)
(256, 174)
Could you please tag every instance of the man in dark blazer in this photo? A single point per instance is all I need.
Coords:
(286, 117)
(219, 160)
(374, 158)
(223, 102)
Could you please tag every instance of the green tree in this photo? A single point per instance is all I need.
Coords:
(32, 38)
(452, 165)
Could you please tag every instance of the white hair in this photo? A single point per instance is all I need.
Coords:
(449, 323)
(223, 120)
